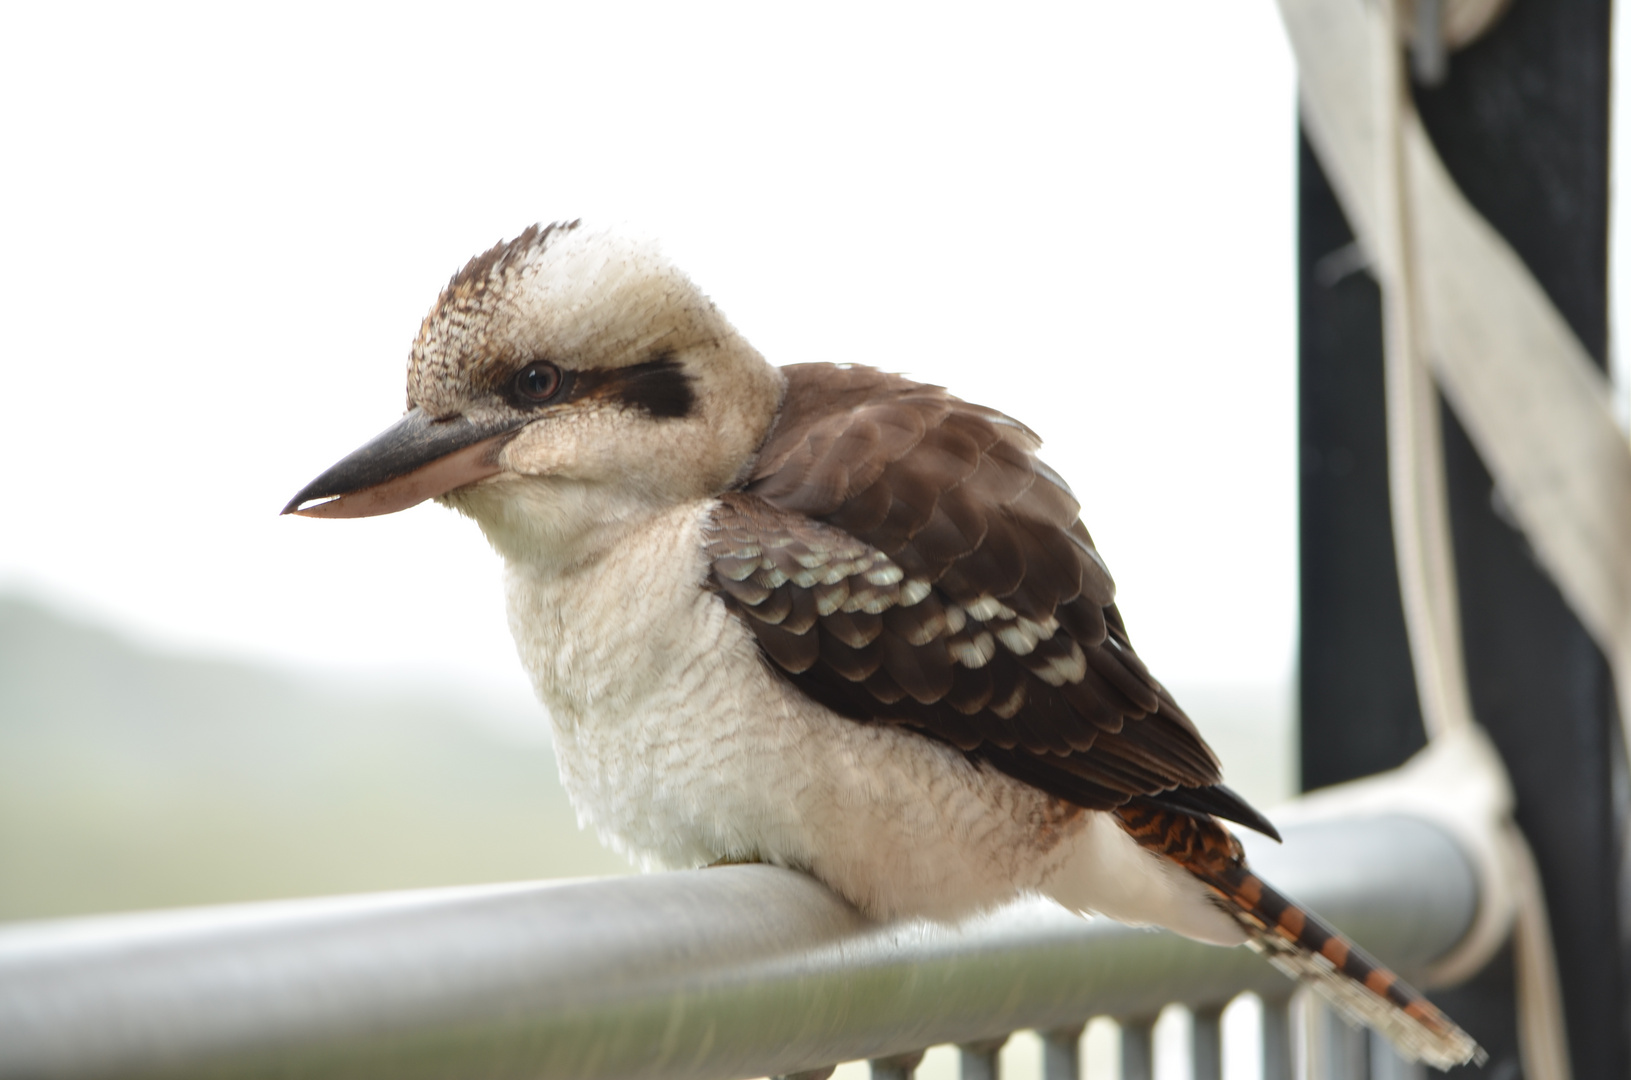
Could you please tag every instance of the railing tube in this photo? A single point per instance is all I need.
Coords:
(736, 971)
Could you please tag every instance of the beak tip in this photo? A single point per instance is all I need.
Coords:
(297, 505)
(316, 506)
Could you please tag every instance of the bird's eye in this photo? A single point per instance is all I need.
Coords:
(537, 382)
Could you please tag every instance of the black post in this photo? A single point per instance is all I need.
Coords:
(1522, 125)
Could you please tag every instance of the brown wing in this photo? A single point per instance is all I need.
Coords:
(902, 556)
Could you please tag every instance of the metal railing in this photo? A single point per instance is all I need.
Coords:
(730, 972)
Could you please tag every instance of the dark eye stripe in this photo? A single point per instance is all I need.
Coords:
(659, 387)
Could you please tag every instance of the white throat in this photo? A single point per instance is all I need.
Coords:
(606, 610)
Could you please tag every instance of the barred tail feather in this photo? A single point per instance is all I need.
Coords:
(1298, 942)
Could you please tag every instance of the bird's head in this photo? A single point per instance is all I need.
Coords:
(568, 379)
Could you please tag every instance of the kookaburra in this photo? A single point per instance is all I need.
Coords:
(818, 616)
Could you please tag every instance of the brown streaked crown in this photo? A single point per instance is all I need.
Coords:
(456, 338)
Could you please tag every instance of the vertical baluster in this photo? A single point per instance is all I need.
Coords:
(1354, 1047)
(896, 1066)
(1138, 1049)
(978, 1060)
(1206, 1043)
(1279, 1046)
(1337, 1051)
(1062, 1053)
(1386, 1064)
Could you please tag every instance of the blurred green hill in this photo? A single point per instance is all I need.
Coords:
(133, 779)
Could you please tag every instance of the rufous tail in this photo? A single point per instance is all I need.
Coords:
(1298, 942)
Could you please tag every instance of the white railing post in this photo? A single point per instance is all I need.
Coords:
(1279, 1039)
(1338, 1051)
(978, 1060)
(1138, 1048)
(896, 1066)
(1061, 1053)
(1206, 1043)
(1386, 1064)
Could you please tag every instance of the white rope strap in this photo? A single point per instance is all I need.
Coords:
(1460, 305)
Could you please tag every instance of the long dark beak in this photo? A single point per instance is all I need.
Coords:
(415, 459)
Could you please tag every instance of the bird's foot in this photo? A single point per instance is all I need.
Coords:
(734, 860)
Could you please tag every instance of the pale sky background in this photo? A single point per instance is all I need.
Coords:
(220, 227)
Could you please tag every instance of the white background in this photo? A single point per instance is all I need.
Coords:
(220, 227)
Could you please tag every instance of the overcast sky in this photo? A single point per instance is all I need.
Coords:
(221, 226)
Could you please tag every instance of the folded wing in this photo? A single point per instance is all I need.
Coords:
(903, 557)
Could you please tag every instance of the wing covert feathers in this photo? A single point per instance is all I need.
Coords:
(903, 557)
(1297, 941)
